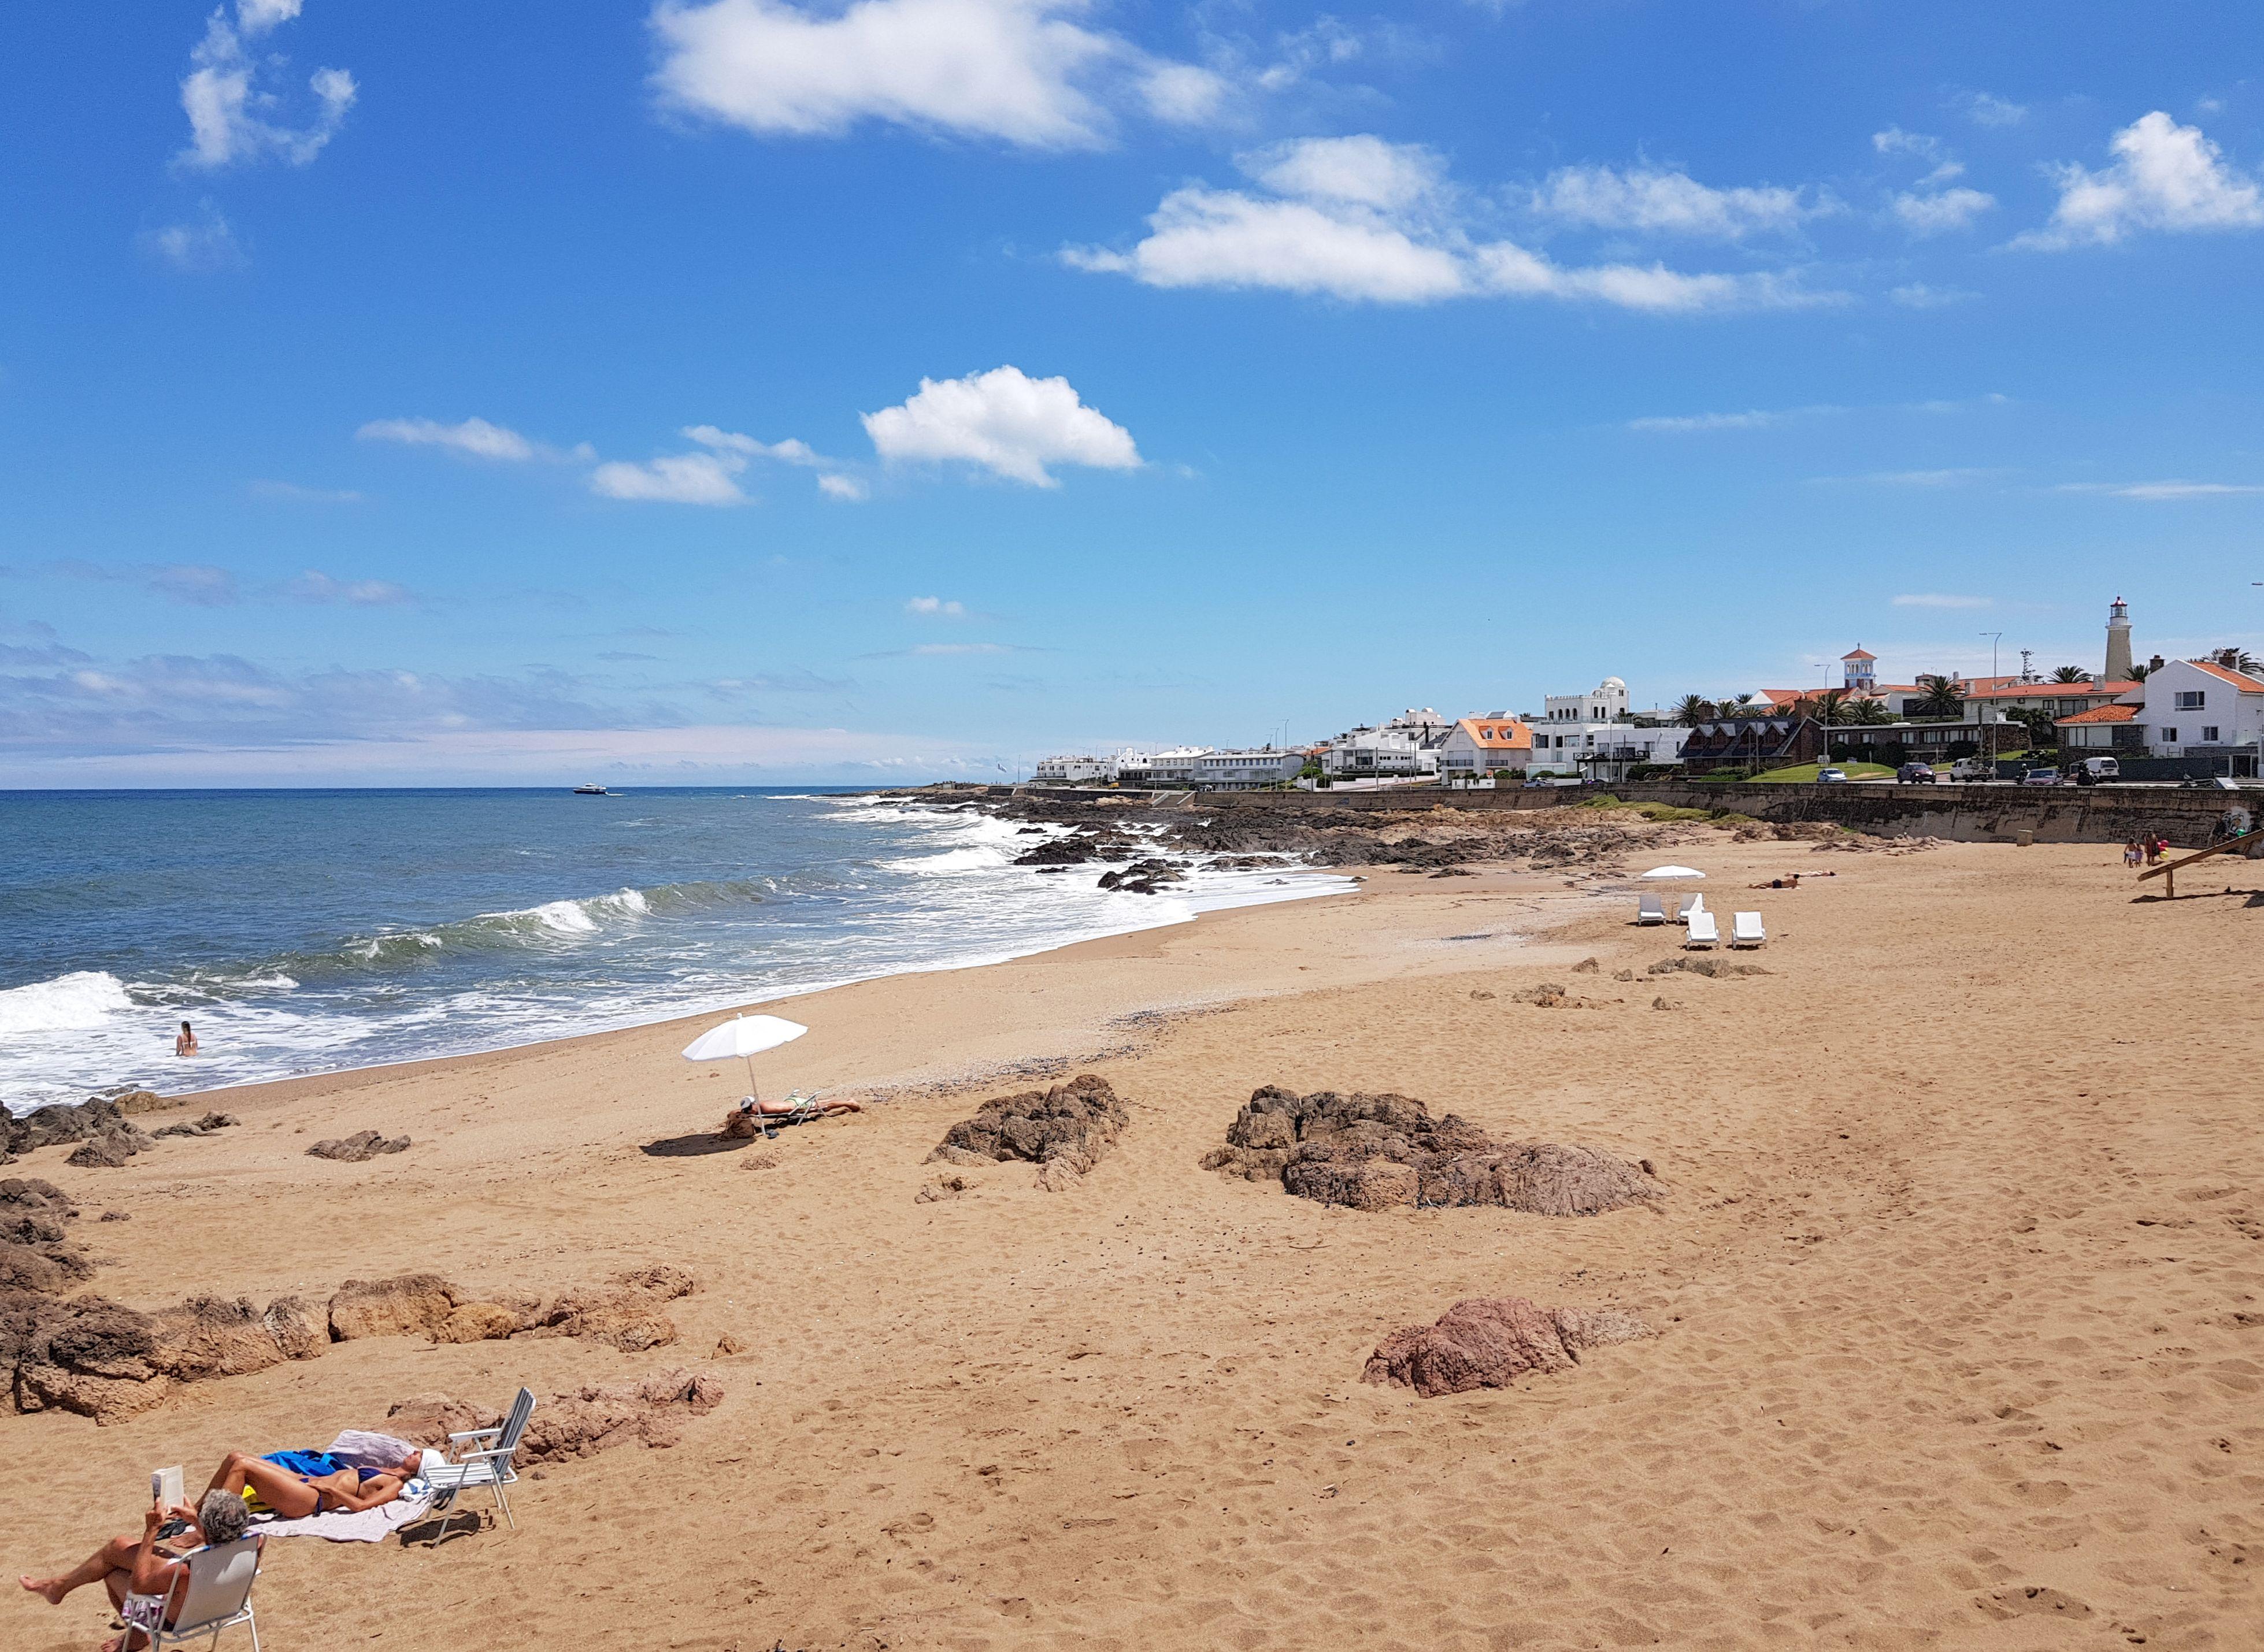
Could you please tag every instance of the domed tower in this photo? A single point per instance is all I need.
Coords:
(2118, 643)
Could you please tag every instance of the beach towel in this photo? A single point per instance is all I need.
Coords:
(362, 1451)
(369, 1526)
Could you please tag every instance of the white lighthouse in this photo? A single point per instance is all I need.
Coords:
(2118, 643)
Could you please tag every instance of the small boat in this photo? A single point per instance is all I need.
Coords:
(591, 791)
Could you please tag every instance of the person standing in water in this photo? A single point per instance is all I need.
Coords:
(185, 1042)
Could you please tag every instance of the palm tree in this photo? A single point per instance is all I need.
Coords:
(1692, 709)
(1865, 711)
(2071, 674)
(1830, 706)
(1741, 706)
(2233, 659)
(1940, 696)
(2138, 673)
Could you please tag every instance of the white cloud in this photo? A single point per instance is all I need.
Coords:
(2165, 176)
(1951, 478)
(1362, 220)
(474, 436)
(231, 117)
(1364, 171)
(355, 593)
(2162, 490)
(1017, 70)
(1942, 211)
(938, 607)
(709, 478)
(834, 485)
(204, 244)
(1754, 419)
(1918, 295)
(1935, 599)
(1895, 141)
(789, 452)
(1666, 203)
(1004, 421)
(305, 495)
(1985, 111)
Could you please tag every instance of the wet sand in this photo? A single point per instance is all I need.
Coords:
(1959, 1283)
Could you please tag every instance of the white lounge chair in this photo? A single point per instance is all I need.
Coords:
(1697, 903)
(1703, 931)
(1649, 910)
(1745, 930)
(216, 1596)
(489, 1467)
(805, 1105)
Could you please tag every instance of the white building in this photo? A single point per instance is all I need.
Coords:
(1247, 771)
(1605, 702)
(1177, 766)
(1485, 744)
(1377, 751)
(1076, 771)
(2188, 708)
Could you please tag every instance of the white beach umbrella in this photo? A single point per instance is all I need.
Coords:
(1674, 872)
(744, 1037)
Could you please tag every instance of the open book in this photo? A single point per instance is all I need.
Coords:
(167, 1487)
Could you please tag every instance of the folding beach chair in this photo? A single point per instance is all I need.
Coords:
(1703, 932)
(1648, 908)
(806, 1106)
(216, 1596)
(489, 1467)
(1746, 931)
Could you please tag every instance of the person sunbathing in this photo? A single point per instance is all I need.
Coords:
(743, 1121)
(1791, 880)
(154, 1563)
(296, 1484)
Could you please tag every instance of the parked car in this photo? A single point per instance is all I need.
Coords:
(2098, 768)
(1915, 774)
(2213, 783)
(1827, 777)
(2041, 776)
(1970, 768)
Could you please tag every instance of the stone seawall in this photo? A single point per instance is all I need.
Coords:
(1983, 813)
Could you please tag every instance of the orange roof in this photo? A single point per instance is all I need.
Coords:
(1858, 654)
(2099, 714)
(2013, 688)
(2241, 680)
(1497, 734)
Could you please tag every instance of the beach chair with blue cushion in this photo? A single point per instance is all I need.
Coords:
(216, 1595)
(490, 1466)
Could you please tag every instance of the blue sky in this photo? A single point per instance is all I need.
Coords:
(733, 390)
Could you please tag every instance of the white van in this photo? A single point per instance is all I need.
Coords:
(2099, 768)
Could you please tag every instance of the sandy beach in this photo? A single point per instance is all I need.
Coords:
(1958, 1286)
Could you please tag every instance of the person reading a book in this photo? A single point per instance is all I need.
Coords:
(153, 1564)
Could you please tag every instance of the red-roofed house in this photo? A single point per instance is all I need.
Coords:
(1483, 745)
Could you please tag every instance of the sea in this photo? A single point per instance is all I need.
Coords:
(313, 932)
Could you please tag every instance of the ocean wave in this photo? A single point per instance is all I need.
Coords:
(84, 998)
(949, 861)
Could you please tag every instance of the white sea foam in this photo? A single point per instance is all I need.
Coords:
(84, 998)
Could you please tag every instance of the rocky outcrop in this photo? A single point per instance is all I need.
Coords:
(1143, 877)
(37, 1253)
(1491, 1342)
(102, 1126)
(107, 1361)
(625, 1314)
(1711, 965)
(363, 1144)
(1073, 1125)
(1384, 1152)
(211, 1123)
(651, 1413)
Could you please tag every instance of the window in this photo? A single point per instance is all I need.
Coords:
(2209, 734)
(2190, 700)
(2169, 737)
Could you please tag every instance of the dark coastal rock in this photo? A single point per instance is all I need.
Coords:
(37, 1252)
(79, 1121)
(1491, 1342)
(110, 1149)
(1073, 1124)
(650, 1412)
(207, 1125)
(363, 1144)
(1143, 877)
(1712, 966)
(1382, 1152)
(104, 1360)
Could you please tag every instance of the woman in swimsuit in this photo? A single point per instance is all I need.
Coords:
(296, 1484)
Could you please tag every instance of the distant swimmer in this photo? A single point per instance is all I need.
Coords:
(185, 1042)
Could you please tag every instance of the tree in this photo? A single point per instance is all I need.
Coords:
(2233, 660)
(1830, 706)
(2071, 674)
(1940, 696)
(1692, 709)
(1864, 711)
(2138, 673)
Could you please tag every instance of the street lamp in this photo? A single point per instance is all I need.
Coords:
(1995, 637)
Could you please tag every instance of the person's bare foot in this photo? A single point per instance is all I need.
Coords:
(47, 1589)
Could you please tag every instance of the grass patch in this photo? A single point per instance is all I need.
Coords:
(1607, 801)
(1805, 773)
